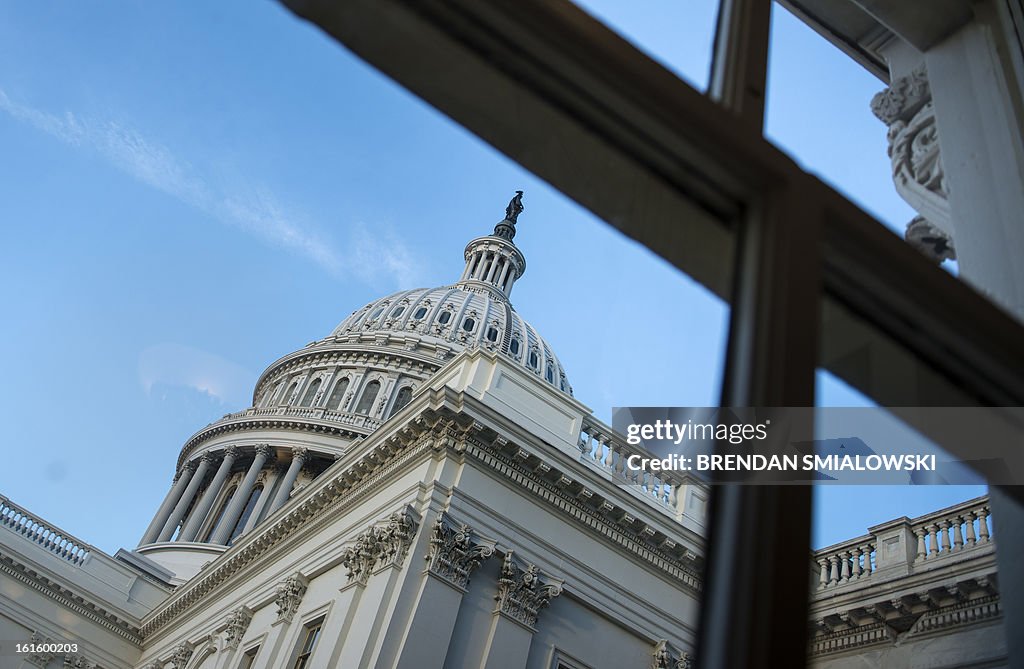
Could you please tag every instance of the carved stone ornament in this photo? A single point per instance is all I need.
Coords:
(238, 622)
(664, 658)
(182, 654)
(289, 595)
(454, 552)
(903, 98)
(523, 591)
(39, 659)
(929, 240)
(917, 171)
(384, 545)
(78, 662)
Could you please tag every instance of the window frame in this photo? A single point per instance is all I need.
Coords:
(722, 205)
(317, 623)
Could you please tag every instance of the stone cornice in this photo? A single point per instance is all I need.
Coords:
(66, 597)
(279, 422)
(609, 520)
(877, 632)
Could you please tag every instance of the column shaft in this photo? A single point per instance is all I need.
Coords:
(284, 490)
(195, 521)
(222, 534)
(173, 495)
(186, 498)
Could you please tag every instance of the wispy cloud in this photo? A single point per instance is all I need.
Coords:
(379, 259)
(187, 367)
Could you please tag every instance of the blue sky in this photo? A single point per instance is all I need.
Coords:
(189, 191)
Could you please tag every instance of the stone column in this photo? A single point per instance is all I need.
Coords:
(299, 457)
(222, 534)
(186, 498)
(195, 521)
(153, 531)
(504, 273)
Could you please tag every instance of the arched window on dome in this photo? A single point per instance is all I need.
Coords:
(220, 513)
(369, 396)
(337, 395)
(444, 317)
(250, 504)
(401, 400)
(549, 373)
(288, 394)
(420, 313)
(492, 333)
(534, 360)
(376, 313)
(513, 346)
(268, 399)
(397, 311)
(307, 399)
(468, 324)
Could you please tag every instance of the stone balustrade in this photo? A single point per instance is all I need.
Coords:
(318, 413)
(918, 544)
(607, 450)
(39, 532)
(952, 530)
(844, 563)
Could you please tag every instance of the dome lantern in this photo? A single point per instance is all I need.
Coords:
(494, 260)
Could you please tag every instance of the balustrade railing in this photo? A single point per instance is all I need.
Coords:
(344, 417)
(948, 532)
(845, 563)
(50, 538)
(952, 530)
(602, 447)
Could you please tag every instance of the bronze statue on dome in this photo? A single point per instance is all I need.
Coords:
(515, 207)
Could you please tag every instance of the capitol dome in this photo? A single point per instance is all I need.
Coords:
(310, 406)
(424, 327)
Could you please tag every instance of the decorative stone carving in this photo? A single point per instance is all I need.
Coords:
(78, 662)
(929, 240)
(266, 450)
(361, 557)
(664, 658)
(523, 592)
(903, 98)
(39, 659)
(454, 552)
(238, 622)
(289, 596)
(182, 654)
(917, 171)
(385, 545)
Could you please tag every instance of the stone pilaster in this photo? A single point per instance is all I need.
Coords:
(453, 553)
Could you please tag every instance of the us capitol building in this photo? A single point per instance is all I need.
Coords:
(420, 489)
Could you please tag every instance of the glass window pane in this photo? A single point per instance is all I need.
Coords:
(679, 35)
(902, 560)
